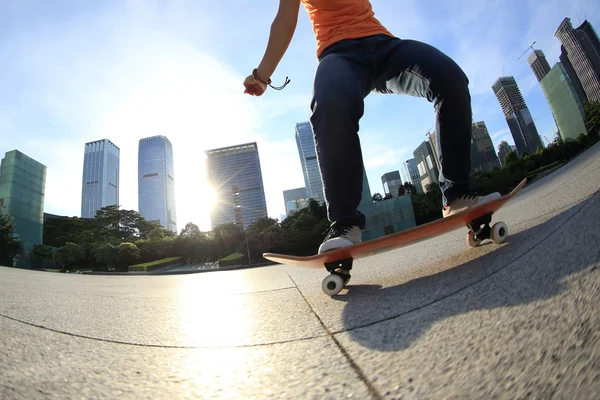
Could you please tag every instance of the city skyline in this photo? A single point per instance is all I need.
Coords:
(141, 81)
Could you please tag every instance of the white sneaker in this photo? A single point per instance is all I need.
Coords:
(467, 201)
(341, 237)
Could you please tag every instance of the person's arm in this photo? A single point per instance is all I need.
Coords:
(282, 31)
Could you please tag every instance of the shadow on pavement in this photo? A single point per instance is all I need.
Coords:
(372, 312)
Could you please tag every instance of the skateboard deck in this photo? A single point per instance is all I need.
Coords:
(481, 213)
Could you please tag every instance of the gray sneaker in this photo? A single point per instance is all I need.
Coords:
(466, 202)
(339, 237)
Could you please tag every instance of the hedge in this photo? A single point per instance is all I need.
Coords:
(149, 266)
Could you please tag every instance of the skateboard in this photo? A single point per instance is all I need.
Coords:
(339, 262)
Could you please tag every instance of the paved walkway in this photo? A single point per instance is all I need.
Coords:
(434, 320)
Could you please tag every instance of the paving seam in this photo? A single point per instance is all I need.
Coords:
(372, 390)
(160, 346)
(476, 282)
(166, 297)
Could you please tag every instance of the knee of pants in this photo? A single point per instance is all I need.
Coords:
(336, 99)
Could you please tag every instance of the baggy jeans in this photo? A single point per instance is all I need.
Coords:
(347, 72)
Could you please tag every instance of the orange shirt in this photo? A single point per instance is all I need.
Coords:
(335, 20)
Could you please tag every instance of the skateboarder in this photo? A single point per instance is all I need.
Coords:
(357, 55)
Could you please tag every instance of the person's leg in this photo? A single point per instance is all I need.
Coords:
(418, 69)
(340, 86)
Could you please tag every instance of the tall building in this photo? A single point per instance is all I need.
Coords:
(564, 59)
(310, 165)
(22, 185)
(583, 50)
(538, 63)
(234, 174)
(485, 158)
(156, 181)
(425, 160)
(413, 172)
(503, 149)
(294, 199)
(562, 98)
(100, 186)
(517, 115)
(391, 182)
(433, 138)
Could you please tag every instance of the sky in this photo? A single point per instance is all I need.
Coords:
(77, 71)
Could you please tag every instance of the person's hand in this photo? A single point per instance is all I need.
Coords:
(253, 86)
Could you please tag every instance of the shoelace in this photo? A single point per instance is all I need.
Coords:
(340, 231)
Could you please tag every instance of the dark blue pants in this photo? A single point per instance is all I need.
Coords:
(348, 71)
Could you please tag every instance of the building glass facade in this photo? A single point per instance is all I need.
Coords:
(413, 172)
(581, 53)
(235, 175)
(100, 185)
(562, 98)
(294, 199)
(391, 182)
(564, 59)
(310, 165)
(156, 181)
(485, 158)
(22, 185)
(426, 167)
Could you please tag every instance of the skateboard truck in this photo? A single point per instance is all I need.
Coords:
(479, 230)
(339, 276)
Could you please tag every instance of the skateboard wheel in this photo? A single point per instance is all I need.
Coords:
(471, 241)
(499, 232)
(333, 284)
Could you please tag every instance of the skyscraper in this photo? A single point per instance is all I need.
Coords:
(503, 149)
(294, 199)
(156, 182)
(486, 155)
(517, 115)
(538, 63)
(433, 142)
(100, 186)
(235, 175)
(391, 182)
(413, 172)
(564, 59)
(562, 98)
(308, 158)
(424, 158)
(22, 185)
(583, 50)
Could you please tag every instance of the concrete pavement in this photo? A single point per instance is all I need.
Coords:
(433, 320)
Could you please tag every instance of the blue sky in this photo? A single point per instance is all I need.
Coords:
(76, 71)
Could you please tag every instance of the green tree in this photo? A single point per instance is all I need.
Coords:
(510, 157)
(592, 116)
(106, 254)
(41, 252)
(122, 225)
(69, 255)
(377, 197)
(157, 233)
(9, 246)
(387, 196)
(226, 238)
(126, 254)
(190, 230)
